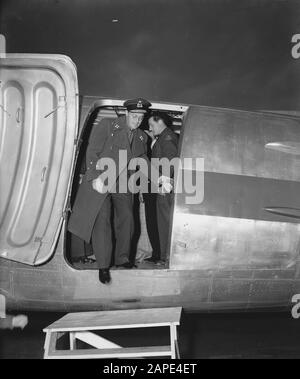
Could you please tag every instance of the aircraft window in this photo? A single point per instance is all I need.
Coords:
(78, 253)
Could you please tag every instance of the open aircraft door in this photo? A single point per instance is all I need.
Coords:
(38, 130)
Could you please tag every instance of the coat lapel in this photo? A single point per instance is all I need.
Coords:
(121, 136)
(138, 144)
(122, 141)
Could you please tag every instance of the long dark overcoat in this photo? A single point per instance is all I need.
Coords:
(106, 140)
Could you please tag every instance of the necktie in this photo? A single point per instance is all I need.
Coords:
(153, 142)
(130, 136)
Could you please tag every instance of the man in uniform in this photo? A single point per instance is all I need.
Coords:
(91, 216)
(164, 145)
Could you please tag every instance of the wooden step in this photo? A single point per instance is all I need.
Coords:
(121, 319)
(81, 325)
(126, 352)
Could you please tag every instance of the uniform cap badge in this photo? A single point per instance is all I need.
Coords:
(137, 105)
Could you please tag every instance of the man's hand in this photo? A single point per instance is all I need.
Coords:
(19, 321)
(165, 184)
(98, 185)
(150, 134)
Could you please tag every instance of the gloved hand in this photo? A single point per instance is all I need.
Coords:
(19, 321)
(165, 184)
(150, 134)
(98, 185)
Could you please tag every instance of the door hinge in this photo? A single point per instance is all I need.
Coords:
(78, 142)
(66, 212)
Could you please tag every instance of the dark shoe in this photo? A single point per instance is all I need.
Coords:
(84, 260)
(104, 275)
(151, 260)
(126, 265)
(161, 262)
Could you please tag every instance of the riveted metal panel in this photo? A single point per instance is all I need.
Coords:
(249, 217)
(244, 143)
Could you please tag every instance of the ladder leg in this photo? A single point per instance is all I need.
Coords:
(46, 345)
(72, 341)
(50, 344)
(173, 336)
(177, 349)
(176, 342)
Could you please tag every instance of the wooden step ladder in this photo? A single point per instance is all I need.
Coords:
(79, 326)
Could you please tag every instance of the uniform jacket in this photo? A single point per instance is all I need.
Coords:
(166, 146)
(106, 140)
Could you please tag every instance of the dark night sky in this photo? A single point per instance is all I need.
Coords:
(232, 53)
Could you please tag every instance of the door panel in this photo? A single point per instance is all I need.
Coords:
(38, 129)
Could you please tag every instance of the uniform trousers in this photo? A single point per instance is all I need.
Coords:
(123, 226)
(151, 222)
(163, 209)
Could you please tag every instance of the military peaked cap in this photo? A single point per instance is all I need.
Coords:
(137, 105)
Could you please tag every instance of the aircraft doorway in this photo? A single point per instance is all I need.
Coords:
(79, 254)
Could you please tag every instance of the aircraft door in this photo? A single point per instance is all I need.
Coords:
(38, 129)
